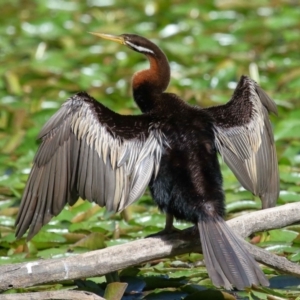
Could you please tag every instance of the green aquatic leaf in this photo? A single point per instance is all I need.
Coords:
(54, 252)
(93, 241)
(282, 235)
(48, 237)
(115, 290)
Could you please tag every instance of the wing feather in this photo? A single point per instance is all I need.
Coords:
(89, 151)
(142, 176)
(244, 138)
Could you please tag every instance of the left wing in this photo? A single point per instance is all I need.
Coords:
(91, 152)
(244, 138)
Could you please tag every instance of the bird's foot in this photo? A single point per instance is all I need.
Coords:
(166, 231)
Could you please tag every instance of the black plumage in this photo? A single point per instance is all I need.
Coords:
(89, 151)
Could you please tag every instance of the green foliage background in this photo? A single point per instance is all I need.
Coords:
(46, 55)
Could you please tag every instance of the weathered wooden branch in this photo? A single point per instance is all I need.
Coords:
(65, 295)
(262, 220)
(100, 262)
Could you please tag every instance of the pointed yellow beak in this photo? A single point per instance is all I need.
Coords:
(116, 38)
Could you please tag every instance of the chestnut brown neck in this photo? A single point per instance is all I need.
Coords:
(148, 84)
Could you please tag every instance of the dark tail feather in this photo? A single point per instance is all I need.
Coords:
(228, 262)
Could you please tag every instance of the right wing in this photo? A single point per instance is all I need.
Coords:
(244, 138)
(89, 151)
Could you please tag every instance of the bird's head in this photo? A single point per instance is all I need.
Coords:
(153, 80)
(132, 41)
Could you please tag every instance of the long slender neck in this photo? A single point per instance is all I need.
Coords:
(148, 84)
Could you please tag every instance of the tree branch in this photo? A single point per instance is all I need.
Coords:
(63, 295)
(266, 219)
(100, 262)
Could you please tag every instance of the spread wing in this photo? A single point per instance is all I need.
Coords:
(245, 140)
(89, 151)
